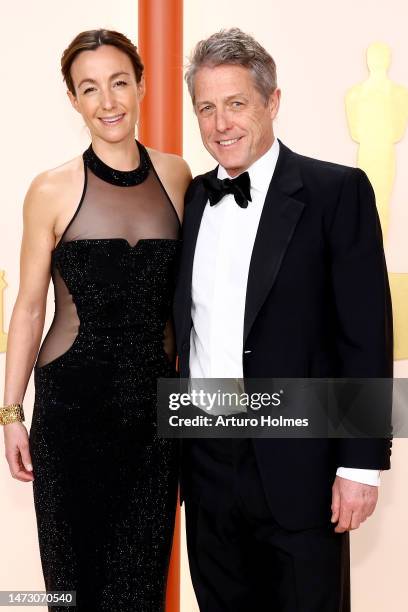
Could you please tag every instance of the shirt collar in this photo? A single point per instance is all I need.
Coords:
(262, 169)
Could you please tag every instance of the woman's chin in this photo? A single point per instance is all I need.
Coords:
(116, 135)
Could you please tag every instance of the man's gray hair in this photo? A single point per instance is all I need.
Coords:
(235, 47)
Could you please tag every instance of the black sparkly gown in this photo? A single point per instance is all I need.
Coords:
(105, 484)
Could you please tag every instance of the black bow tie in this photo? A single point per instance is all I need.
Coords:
(240, 188)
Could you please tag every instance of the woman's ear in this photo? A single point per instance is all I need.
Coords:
(141, 86)
(74, 100)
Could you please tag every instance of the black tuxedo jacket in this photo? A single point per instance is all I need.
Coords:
(317, 305)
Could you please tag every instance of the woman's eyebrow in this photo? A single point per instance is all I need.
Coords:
(113, 76)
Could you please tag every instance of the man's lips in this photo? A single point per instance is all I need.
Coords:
(228, 142)
(112, 120)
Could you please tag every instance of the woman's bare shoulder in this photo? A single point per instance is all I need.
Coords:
(168, 163)
(175, 175)
(49, 181)
(50, 189)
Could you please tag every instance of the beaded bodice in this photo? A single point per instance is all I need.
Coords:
(113, 268)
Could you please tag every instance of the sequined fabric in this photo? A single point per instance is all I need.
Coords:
(105, 485)
(118, 177)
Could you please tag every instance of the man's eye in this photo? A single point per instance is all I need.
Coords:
(205, 109)
(236, 103)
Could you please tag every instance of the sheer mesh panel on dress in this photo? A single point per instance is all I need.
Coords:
(64, 327)
(134, 213)
(106, 211)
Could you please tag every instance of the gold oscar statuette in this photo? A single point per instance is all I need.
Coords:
(377, 116)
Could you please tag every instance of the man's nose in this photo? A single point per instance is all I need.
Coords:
(222, 122)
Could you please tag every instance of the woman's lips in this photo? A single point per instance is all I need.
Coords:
(113, 120)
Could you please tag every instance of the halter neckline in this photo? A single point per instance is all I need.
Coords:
(122, 178)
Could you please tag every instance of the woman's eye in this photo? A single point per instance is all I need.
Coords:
(120, 83)
(88, 89)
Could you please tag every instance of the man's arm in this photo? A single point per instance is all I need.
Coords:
(363, 338)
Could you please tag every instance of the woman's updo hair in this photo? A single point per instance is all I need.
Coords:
(91, 40)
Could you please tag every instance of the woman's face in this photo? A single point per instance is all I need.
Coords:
(106, 93)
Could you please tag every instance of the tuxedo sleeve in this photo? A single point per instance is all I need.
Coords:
(363, 315)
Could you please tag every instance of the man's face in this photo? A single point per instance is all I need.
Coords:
(234, 119)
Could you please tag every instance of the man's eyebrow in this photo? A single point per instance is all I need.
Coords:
(227, 99)
(236, 95)
(113, 76)
(203, 102)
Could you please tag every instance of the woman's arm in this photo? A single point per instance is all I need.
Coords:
(27, 321)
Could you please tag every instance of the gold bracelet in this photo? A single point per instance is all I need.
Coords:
(11, 414)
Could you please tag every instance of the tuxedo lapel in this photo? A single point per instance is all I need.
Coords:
(280, 214)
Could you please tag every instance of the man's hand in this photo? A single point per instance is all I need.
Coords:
(352, 503)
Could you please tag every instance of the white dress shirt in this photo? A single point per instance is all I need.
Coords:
(219, 282)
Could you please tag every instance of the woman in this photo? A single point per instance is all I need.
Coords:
(106, 226)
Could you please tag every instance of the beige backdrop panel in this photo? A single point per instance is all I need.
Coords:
(40, 130)
(319, 48)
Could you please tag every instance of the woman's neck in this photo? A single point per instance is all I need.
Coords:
(123, 155)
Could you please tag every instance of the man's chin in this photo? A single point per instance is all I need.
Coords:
(233, 167)
(231, 163)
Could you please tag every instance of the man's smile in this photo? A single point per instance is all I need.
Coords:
(229, 142)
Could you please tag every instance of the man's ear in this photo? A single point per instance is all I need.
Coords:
(141, 88)
(74, 100)
(274, 102)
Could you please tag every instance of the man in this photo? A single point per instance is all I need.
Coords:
(282, 275)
